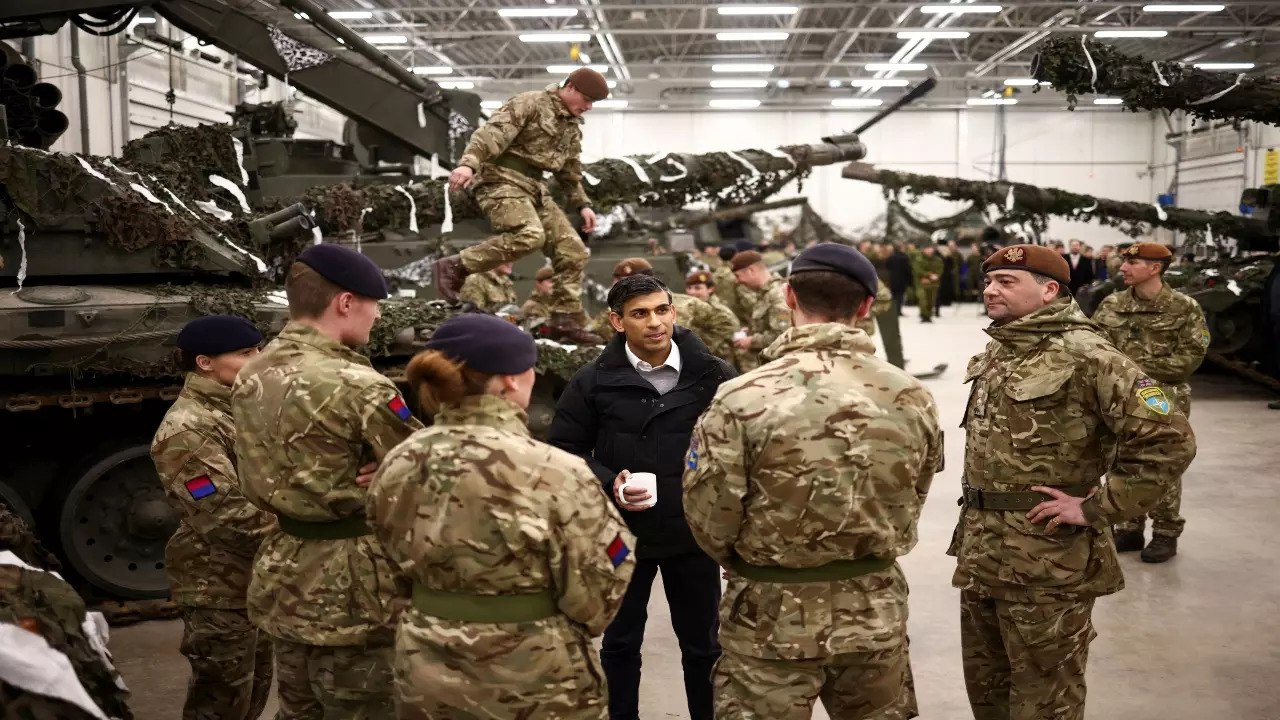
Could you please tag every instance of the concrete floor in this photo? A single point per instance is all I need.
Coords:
(1195, 638)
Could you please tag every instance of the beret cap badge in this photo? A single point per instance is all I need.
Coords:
(1013, 255)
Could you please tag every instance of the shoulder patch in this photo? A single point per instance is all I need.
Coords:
(617, 550)
(1204, 337)
(1145, 382)
(398, 407)
(1154, 398)
(201, 487)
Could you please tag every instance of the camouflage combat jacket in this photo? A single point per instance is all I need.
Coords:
(770, 317)
(536, 306)
(538, 128)
(1053, 403)
(474, 505)
(489, 290)
(310, 412)
(1165, 335)
(713, 325)
(883, 303)
(210, 558)
(927, 270)
(825, 453)
(732, 294)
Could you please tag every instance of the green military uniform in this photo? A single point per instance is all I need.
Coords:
(731, 293)
(533, 132)
(1052, 403)
(1114, 261)
(774, 257)
(714, 325)
(882, 314)
(770, 317)
(489, 290)
(474, 510)
(805, 479)
(210, 558)
(927, 271)
(1167, 337)
(310, 412)
(536, 306)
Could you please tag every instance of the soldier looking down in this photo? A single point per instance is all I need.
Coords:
(536, 305)
(534, 132)
(769, 314)
(490, 290)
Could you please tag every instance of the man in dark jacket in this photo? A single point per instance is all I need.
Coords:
(900, 276)
(633, 410)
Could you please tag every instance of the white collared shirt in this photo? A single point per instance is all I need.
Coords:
(663, 377)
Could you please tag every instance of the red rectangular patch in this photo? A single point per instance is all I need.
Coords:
(399, 408)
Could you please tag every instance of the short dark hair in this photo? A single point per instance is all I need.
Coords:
(830, 295)
(634, 286)
(1063, 290)
(186, 360)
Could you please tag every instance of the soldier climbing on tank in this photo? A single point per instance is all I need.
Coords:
(534, 132)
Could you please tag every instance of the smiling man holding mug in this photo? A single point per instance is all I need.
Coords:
(630, 414)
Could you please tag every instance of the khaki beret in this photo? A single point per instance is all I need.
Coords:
(1147, 251)
(1032, 258)
(544, 273)
(701, 277)
(745, 259)
(589, 83)
(632, 266)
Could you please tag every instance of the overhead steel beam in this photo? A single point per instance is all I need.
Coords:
(882, 30)
(837, 5)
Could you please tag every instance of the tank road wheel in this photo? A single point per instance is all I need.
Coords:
(11, 498)
(1229, 330)
(115, 522)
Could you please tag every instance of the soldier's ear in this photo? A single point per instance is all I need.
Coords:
(789, 296)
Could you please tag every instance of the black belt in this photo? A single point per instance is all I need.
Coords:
(348, 527)
(992, 500)
(520, 165)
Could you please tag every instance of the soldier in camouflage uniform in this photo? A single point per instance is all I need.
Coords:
(536, 305)
(718, 333)
(805, 479)
(770, 316)
(926, 268)
(311, 414)
(1052, 409)
(516, 558)
(532, 133)
(1164, 332)
(490, 290)
(210, 558)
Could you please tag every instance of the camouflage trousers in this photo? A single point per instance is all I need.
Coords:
(1025, 661)
(852, 686)
(926, 298)
(524, 223)
(230, 665)
(1166, 516)
(333, 683)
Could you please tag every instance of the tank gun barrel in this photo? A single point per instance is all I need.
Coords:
(691, 219)
(910, 96)
(280, 225)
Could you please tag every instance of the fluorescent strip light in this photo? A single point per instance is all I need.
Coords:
(1225, 66)
(350, 14)
(456, 84)
(856, 102)
(611, 83)
(749, 35)
(555, 37)
(1183, 8)
(834, 83)
(958, 9)
(757, 9)
(537, 12)
(1020, 82)
(784, 84)
(739, 83)
(385, 39)
(491, 104)
(609, 104)
(433, 70)
(144, 20)
(566, 69)
(992, 101)
(879, 82)
(742, 67)
(1131, 33)
(736, 104)
(933, 35)
(892, 67)
(1108, 101)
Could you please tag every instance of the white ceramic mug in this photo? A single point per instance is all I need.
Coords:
(641, 481)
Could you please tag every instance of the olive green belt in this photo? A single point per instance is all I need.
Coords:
(348, 527)
(1025, 500)
(834, 570)
(465, 607)
(520, 165)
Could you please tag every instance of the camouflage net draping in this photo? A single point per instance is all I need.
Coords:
(1033, 205)
(903, 225)
(1143, 84)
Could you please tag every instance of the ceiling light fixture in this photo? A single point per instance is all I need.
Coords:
(611, 83)
(566, 69)
(549, 37)
(609, 104)
(742, 67)
(1107, 101)
(834, 83)
(758, 9)
(385, 39)
(1131, 33)
(750, 35)
(1225, 66)
(959, 9)
(856, 102)
(895, 67)
(491, 104)
(784, 84)
(992, 101)
(933, 35)
(538, 12)
(350, 14)
(735, 104)
(456, 84)
(739, 83)
(1020, 82)
(1183, 8)
(144, 20)
(879, 82)
(433, 70)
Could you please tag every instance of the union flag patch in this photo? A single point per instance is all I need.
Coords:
(617, 551)
(399, 408)
(201, 487)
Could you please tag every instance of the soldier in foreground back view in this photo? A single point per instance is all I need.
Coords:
(805, 479)
(533, 132)
(312, 415)
(516, 558)
(1052, 409)
(210, 558)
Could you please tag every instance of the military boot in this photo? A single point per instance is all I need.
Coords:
(1162, 548)
(566, 327)
(1127, 540)
(447, 274)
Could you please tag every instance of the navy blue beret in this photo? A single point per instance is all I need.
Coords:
(744, 245)
(842, 259)
(218, 334)
(486, 343)
(350, 270)
(727, 252)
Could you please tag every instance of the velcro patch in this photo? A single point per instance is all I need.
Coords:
(1204, 337)
(201, 487)
(617, 551)
(692, 462)
(399, 408)
(1145, 382)
(1155, 399)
